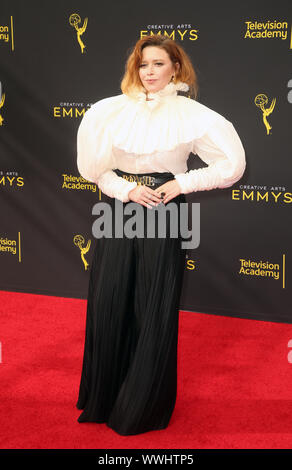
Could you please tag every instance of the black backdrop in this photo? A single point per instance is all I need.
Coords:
(47, 83)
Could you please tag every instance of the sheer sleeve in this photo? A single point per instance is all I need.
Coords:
(221, 149)
(95, 161)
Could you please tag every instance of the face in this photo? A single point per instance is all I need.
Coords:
(156, 68)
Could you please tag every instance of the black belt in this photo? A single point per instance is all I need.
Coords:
(147, 179)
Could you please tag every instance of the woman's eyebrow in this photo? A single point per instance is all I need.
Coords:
(153, 60)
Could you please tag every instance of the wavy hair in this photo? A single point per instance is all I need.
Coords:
(176, 53)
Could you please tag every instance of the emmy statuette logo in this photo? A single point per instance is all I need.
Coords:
(79, 242)
(2, 99)
(74, 21)
(261, 101)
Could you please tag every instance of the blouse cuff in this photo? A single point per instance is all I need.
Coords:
(180, 178)
(217, 175)
(115, 186)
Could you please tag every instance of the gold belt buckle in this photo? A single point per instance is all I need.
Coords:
(150, 180)
(147, 180)
(130, 178)
(140, 180)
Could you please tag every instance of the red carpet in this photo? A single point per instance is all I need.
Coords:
(234, 382)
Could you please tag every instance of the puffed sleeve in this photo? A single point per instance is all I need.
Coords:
(95, 160)
(221, 149)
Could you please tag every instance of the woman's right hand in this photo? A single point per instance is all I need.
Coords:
(145, 196)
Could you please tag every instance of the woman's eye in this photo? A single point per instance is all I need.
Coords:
(156, 63)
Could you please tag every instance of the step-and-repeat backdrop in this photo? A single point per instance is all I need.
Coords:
(58, 58)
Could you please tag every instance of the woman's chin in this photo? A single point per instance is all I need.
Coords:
(153, 89)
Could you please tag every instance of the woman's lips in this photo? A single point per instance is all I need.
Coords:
(151, 81)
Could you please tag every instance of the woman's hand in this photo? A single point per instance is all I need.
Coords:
(145, 196)
(170, 189)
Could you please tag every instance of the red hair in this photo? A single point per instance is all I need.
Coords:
(176, 53)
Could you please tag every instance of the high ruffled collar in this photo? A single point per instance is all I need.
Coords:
(154, 99)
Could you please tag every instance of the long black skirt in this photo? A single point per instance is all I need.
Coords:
(129, 372)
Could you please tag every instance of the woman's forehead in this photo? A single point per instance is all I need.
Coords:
(154, 52)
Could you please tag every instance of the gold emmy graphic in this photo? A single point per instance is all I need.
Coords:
(260, 101)
(1, 105)
(79, 241)
(74, 21)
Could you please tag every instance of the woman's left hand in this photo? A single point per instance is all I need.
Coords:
(171, 190)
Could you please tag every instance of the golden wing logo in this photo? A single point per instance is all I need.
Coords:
(74, 21)
(79, 242)
(1, 106)
(261, 101)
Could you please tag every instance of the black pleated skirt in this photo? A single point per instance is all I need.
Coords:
(129, 372)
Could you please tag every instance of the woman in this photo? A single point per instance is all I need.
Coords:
(135, 147)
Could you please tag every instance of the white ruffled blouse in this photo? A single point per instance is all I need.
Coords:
(141, 136)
